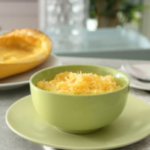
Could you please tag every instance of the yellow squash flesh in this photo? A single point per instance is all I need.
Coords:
(22, 50)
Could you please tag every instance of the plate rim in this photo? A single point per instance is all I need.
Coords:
(68, 147)
(139, 87)
(4, 85)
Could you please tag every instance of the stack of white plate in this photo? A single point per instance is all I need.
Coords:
(139, 75)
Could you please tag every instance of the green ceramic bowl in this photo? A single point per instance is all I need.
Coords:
(79, 113)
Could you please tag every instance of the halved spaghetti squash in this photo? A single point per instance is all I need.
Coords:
(22, 50)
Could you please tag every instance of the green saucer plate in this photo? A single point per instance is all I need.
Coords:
(132, 126)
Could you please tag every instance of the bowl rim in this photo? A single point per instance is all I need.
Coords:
(82, 95)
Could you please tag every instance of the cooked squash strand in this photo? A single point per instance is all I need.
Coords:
(79, 83)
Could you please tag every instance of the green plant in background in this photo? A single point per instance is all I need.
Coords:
(115, 12)
(129, 12)
(92, 9)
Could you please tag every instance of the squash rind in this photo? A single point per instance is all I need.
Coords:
(29, 36)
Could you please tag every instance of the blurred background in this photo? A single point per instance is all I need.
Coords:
(85, 28)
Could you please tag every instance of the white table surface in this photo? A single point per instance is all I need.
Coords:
(11, 141)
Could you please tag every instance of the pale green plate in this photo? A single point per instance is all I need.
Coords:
(132, 126)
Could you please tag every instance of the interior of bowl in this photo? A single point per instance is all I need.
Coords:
(49, 73)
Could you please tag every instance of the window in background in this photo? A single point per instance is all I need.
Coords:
(64, 20)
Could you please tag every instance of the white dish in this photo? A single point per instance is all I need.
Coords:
(136, 83)
(139, 71)
(23, 78)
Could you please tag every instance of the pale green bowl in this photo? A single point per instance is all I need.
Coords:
(79, 113)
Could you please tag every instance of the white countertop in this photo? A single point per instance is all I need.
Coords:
(11, 141)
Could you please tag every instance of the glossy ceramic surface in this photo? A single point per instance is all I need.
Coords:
(23, 78)
(79, 113)
(136, 83)
(139, 71)
(132, 126)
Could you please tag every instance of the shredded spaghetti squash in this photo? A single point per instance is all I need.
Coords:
(80, 83)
